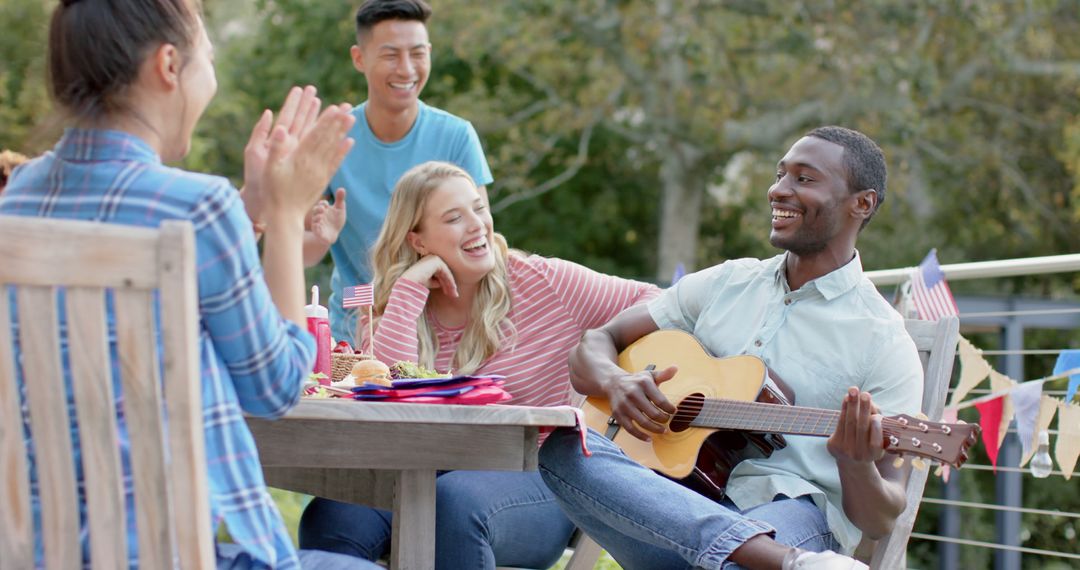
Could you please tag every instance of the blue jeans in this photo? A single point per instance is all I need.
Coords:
(647, 521)
(482, 519)
(232, 557)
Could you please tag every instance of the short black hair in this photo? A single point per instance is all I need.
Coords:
(863, 160)
(371, 12)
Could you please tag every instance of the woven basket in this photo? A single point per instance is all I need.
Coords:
(341, 364)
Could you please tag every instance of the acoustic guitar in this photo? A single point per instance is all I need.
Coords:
(725, 414)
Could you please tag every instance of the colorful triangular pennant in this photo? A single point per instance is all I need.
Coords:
(990, 421)
(1002, 383)
(1067, 448)
(1069, 360)
(973, 370)
(1025, 398)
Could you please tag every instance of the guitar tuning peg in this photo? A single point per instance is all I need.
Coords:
(939, 470)
(898, 462)
(922, 416)
(919, 464)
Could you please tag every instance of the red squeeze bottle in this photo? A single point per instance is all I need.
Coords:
(318, 324)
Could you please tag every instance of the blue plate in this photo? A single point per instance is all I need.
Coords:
(408, 383)
(447, 393)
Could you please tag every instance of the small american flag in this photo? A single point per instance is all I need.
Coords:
(929, 291)
(358, 296)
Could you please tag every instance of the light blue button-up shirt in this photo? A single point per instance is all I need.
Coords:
(833, 332)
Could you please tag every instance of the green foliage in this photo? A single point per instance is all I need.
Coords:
(24, 105)
(290, 505)
(604, 563)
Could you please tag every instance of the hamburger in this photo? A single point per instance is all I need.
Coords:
(371, 371)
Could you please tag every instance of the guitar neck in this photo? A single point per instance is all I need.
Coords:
(761, 417)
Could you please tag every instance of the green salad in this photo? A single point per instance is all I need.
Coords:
(405, 369)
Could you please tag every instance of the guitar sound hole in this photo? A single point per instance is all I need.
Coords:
(688, 411)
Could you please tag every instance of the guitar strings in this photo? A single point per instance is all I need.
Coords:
(765, 414)
(722, 413)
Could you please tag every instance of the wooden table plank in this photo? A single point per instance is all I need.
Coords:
(373, 445)
(372, 487)
(341, 409)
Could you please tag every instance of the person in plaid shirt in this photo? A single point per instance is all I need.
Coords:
(133, 103)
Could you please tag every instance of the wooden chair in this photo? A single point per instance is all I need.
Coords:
(172, 508)
(936, 342)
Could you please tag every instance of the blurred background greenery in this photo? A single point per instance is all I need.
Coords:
(633, 135)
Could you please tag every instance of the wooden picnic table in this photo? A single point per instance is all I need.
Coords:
(386, 455)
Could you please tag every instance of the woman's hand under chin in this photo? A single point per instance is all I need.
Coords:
(432, 272)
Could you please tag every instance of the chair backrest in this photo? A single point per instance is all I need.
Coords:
(168, 462)
(936, 342)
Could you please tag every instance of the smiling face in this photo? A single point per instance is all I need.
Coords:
(198, 84)
(456, 225)
(395, 57)
(810, 199)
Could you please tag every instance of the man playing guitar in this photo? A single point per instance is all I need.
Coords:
(813, 317)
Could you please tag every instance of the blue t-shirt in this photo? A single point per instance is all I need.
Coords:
(369, 174)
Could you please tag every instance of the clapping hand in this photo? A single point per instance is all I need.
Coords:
(327, 220)
(290, 164)
(297, 114)
(301, 161)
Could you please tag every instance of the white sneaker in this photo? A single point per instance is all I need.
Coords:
(798, 559)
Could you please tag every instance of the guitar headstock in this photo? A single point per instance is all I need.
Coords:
(941, 442)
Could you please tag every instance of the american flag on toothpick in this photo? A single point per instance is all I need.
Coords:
(358, 296)
(929, 292)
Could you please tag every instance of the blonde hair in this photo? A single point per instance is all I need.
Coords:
(8, 161)
(488, 327)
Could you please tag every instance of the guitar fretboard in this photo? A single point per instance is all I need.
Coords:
(774, 418)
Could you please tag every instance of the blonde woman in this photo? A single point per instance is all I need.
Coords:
(451, 295)
(8, 161)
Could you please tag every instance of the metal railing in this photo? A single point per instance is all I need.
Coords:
(1015, 523)
(986, 269)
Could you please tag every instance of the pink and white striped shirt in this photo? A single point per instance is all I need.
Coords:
(552, 303)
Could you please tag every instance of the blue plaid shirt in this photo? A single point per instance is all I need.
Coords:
(252, 360)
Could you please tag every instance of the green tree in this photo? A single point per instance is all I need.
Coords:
(24, 105)
(955, 92)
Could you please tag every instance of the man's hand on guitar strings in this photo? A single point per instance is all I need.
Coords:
(858, 436)
(638, 405)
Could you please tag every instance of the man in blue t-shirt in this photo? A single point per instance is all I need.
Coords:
(394, 131)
